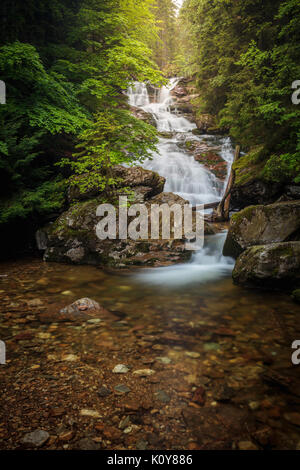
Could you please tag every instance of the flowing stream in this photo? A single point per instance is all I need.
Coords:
(187, 178)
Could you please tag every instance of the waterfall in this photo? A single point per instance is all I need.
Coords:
(187, 178)
(138, 95)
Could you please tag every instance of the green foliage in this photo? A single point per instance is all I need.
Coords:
(67, 65)
(245, 56)
(116, 137)
(44, 199)
(283, 168)
(40, 106)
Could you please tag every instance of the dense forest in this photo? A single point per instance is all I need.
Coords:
(67, 65)
(245, 56)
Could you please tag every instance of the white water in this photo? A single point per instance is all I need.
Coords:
(187, 178)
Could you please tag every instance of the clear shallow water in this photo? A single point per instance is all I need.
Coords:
(212, 335)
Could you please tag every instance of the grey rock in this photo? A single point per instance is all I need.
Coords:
(144, 372)
(41, 240)
(254, 192)
(36, 438)
(122, 389)
(75, 254)
(120, 369)
(81, 305)
(125, 422)
(87, 444)
(72, 238)
(143, 115)
(128, 177)
(164, 360)
(293, 191)
(162, 396)
(142, 445)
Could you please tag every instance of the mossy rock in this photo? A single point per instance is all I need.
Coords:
(260, 225)
(248, 167)
(251, 185)
(72, 238)
(275, 266)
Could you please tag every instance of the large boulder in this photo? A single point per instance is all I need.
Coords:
(205, 121)
(72, 239)
(274, 266)
(137, 178)
(260, 225)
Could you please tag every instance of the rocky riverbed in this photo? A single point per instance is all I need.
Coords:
(199, 367)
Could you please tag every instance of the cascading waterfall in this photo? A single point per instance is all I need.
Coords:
(187, 178)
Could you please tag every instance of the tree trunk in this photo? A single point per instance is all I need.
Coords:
(222, 212)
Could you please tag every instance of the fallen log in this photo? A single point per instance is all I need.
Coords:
(211, 205)
(222, 212)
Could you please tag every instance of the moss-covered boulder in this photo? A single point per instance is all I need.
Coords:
(259, 225)
(136, 178)
(274, 266)
(206, 123)
(72, 238)
(255, 191)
